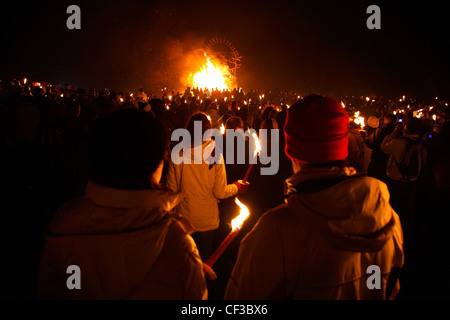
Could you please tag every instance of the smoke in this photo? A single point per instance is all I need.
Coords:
(178, 59)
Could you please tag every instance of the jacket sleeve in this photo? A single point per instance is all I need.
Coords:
(172, 180)
(49, 280)
(221, 189)
(398, 258)
(370, 140)
(258, 273)
(195, 284)
(389, 144)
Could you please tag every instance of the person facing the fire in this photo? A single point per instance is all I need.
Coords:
(121, 235)
(334, 227)
(202, 184)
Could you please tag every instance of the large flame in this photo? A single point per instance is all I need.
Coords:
(212, 76)
(237, 222)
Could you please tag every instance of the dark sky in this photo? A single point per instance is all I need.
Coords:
(320, 46)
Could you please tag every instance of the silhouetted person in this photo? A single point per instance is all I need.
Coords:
(407, 158)
(426, 275)
(333, 226)
(202, 182)
(121, 234)
(378, 161)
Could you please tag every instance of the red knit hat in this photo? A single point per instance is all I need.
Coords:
(316, 130)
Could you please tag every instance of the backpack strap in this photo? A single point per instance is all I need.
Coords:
(410, 143)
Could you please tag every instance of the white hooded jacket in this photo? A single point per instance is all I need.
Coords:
(202, 184)
(127, 246)
(318, 245)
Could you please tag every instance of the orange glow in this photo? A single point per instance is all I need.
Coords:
(359, 120)
(212, 76)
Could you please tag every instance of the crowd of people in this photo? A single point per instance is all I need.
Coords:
(89, 177)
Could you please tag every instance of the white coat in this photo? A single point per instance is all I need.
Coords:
(319, 245)
(126, 245)
(203, 185)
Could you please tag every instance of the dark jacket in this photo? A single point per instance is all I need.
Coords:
(127, 246)
(379, 159)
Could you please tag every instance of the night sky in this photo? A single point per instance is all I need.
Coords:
(310, 46)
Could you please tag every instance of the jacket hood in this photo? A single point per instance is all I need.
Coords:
(115, 235)
(195, 154)
(353, 214)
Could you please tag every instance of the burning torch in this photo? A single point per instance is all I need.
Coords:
(359, 120)
(236, 225)
(257, 151)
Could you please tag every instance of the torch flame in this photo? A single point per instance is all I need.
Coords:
(222, 129)
(237, 222)
(359, 120)
(257, 144)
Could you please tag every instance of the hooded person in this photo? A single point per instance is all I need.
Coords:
(308, 248)
(407, 160)
(203, 182)
(121, 240)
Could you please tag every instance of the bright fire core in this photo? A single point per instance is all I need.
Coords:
(212, 76)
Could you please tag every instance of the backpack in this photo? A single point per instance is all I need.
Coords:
(413, 161)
